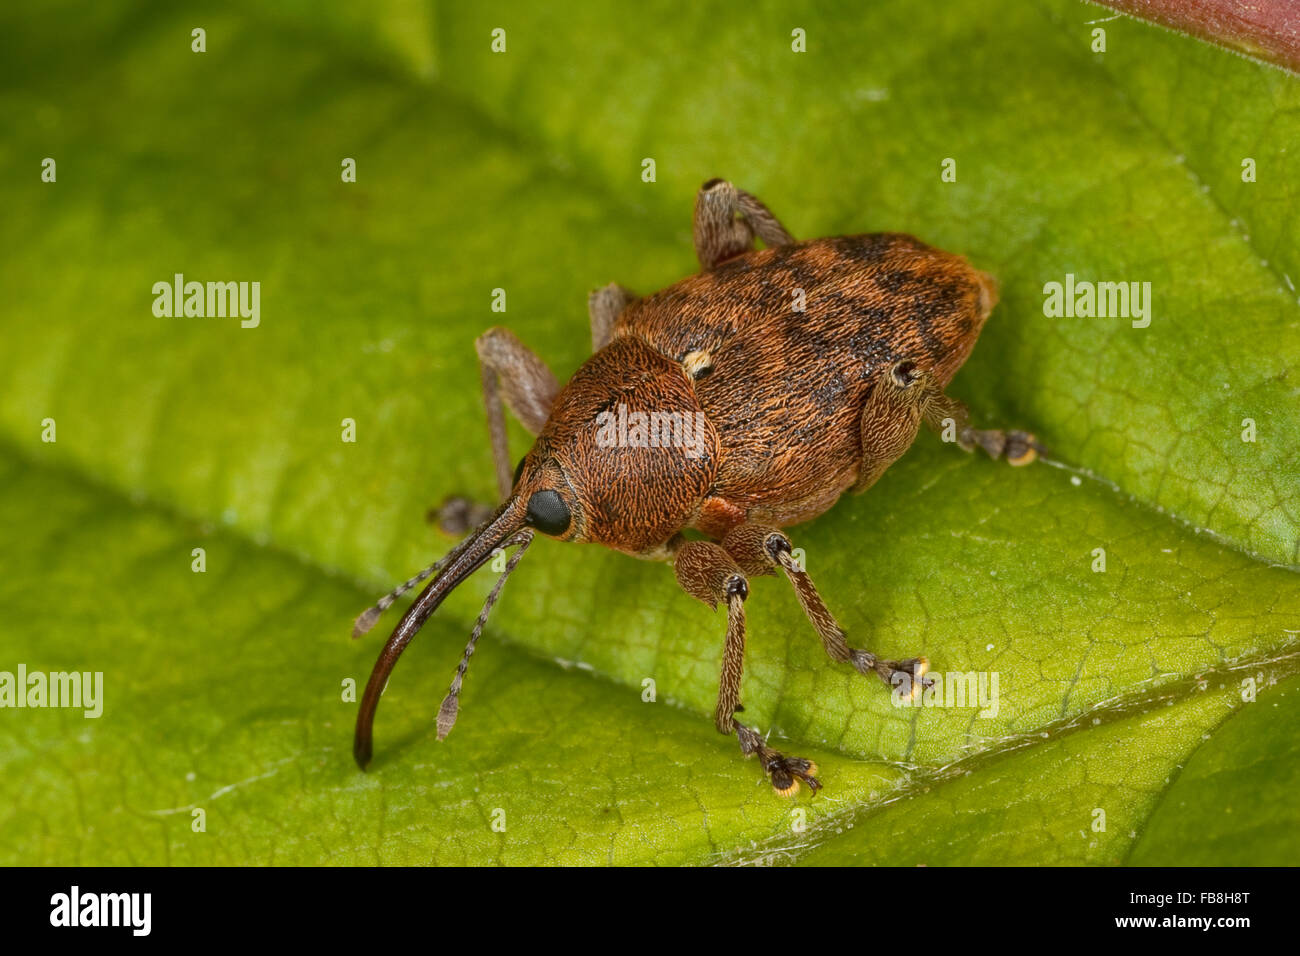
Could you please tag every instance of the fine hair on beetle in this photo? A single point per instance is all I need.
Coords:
(709, 417)
(625, 428)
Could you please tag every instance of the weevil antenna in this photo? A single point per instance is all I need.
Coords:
(463, 560)
(451, 703)
(371, 614)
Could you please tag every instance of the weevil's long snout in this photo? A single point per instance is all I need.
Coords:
(466, 558)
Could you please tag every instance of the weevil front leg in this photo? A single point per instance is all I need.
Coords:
(604, 306)
(760, 550)
(705, 571)
(513, 377)
(513, 372)
(727, 220)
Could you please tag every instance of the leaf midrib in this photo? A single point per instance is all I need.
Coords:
(518, 140)
(1141, 700)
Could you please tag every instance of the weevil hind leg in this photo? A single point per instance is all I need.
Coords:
(604, 306)
(757, 549)
(951, 419)
(705, 571)
(728, 220)
(905, 396)
(890, 420)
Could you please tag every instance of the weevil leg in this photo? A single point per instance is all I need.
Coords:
(906, 395)
(891, 419)
(760, 550)
(948, 416)
(513, 372)
(604, 306)
(513, 377)
(727, 220)
(705, 571)
(458, 515)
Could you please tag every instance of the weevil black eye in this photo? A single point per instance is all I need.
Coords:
(548, 513)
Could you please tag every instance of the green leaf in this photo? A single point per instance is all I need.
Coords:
(1125, 786)
(1232, 803)
(224, 690)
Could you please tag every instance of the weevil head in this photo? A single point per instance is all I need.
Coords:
(626, 455)
(593, 475)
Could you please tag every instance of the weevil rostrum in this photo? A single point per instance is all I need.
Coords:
(807, 368)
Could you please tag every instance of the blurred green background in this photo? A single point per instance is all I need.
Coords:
(1121, 691)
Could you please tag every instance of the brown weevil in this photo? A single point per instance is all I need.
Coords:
(757, 391)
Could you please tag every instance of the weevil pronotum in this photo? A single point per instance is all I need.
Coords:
(803, 370)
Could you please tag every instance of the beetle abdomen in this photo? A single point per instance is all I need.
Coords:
(867, 298)
(793, 339)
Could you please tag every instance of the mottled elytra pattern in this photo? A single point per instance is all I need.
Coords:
(735, 402)
(788, 387)
(882, 296)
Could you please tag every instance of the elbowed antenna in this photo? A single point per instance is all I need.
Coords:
(371, 614)
(451, 703)
(467, 557)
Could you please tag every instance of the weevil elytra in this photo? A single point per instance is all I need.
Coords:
(799, 372)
